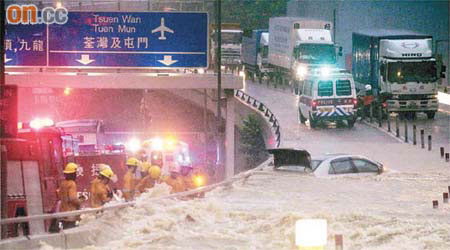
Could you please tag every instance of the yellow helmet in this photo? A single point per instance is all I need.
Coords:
(132, 162)
(70, 168)
(145, 166)
(107, 172)
(154, 172)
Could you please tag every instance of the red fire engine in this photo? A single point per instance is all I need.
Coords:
(31, 169)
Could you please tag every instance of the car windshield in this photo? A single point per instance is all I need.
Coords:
(401, 72)
(315, 53)
(315, 164)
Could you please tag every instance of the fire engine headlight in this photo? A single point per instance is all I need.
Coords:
(325, 71)
(133, 145)
(41, 122)
(157, 144)
(201, 71)
(301, 71)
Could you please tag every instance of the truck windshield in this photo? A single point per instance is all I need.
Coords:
(402, 72)
(316, 53)
(229, 37)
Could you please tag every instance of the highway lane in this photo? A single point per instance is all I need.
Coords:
(361, 139)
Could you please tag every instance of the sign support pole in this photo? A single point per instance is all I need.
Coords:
(220, 147)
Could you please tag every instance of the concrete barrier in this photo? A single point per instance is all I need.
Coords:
(71, 238)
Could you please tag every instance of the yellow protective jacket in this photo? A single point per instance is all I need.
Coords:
(189, 182)
(129, 184)
(99, 193)
(69, 198)
(177, 184)
(145, 183)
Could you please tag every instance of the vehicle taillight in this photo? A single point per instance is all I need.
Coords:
(384, 105)
(355, 102)
(314, 104)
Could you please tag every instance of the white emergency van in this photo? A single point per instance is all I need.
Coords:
(327, 94)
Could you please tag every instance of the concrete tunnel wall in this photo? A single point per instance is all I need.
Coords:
(241, 111)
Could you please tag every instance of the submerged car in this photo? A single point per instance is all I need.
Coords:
(325, 165)
(336, 164)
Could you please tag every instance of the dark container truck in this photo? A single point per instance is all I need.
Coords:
(255, 54)
(400, 68)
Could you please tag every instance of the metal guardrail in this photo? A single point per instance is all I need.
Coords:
(208, 188)
(264, 110)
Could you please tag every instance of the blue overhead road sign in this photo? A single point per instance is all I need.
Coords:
(130, 39)
(25, 45)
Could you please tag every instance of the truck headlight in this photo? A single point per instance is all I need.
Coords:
(325, 71)
(301, 71)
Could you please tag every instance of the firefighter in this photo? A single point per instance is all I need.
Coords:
(100, 190)
(188, 178)
(149, 181)
(129, 181)
(68, 195)
(144, 167)
(192, 181)
(175, 180)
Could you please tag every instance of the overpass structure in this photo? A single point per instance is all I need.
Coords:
(81, 54)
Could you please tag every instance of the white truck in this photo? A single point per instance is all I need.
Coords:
(299, 45)
(231, 36)
(400, 68)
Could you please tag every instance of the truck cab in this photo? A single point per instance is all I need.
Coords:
(298, 45)
(401, 69)
(255, 54)
(231, 41)
(409, 73)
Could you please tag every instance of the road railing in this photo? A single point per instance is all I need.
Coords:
(263, 110)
